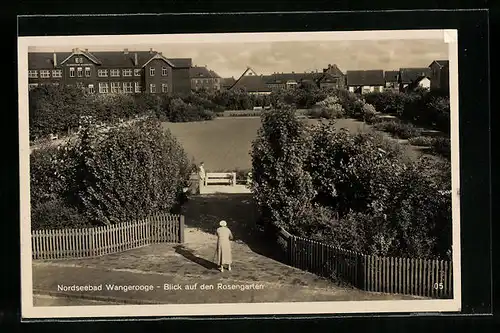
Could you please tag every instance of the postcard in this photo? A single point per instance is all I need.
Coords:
(239, 174)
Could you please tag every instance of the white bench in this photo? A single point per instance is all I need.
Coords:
(225, 178)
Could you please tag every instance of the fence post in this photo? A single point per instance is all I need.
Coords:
(360, 270)
(234, 178)
(181, 229)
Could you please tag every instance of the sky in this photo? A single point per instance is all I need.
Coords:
(231, 59)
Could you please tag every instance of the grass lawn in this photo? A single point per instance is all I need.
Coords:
(225, 143)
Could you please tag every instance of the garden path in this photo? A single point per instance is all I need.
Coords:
(254, 262)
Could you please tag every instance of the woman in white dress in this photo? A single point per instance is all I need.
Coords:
(223, 251)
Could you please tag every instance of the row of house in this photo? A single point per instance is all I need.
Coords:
(152, 72)
(433, 77)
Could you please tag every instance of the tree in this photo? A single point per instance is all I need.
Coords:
(282, 188)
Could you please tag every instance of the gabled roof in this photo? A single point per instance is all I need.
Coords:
(40, 60)
(365, 78)
(84, 53)
(251, 83)
(214, 74)
(328, 77)
(160, 57)
(202, 73)
(333, 70)
(441, 63)
(408, 75)
(391, 76)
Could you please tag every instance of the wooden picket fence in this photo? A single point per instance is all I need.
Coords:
(418, 277)
(98, 241)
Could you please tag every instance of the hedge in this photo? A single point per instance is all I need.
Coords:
(351, 190)
(108, 175)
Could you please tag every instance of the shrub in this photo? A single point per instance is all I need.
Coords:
(282, 188)
(128, 172)
(363, 197)
(56, 109)
(179, 111)
(369, 113)
(329, 108)
(423, 141)
(398, 129)
(442, 146)
(111, 174)
(57, 214)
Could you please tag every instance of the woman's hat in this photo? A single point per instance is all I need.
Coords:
(222, 223)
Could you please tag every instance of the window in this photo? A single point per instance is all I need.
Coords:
(115, 72)
(103, 87)
(87, 71)
(32, 85)
(115, 87)
(152, 88)
(137, 72)
(72, 72)
(44, 74)
(164, 71)
(164, 88)
(127, 72)
(102, 73)
(138, 87)
(151, 71)
(32, 74)
(79, 71)
(57, 73)
(127, 87)
(91, 88)
(79, 60)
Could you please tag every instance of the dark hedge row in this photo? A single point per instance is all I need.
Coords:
(107, 175)
(356, 191)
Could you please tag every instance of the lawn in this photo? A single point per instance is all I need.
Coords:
(225, 143)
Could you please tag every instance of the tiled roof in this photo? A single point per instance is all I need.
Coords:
(365, 78)
(282, 78)
(409, 75)
(200, 72)
(327, 77)
(334, 70)
(227, 82)
(214, 74)
(40, 60)
(442, 63)
(391, 76)
(251, 83)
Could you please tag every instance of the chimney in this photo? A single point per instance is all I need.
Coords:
(125, 51)
(151, 50)
(135, 59)
(55, 59)
(87, 50)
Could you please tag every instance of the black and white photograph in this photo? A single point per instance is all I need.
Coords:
(239, 174)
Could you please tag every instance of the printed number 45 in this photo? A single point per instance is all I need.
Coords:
(439, 286)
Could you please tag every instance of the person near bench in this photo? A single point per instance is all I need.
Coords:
(201, 176)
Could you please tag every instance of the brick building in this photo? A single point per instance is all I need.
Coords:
(111, 72)
(204, 78)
